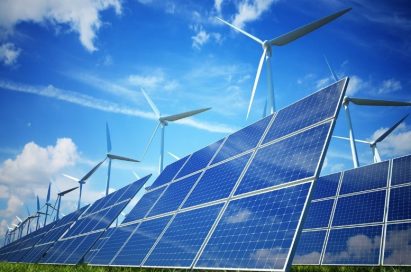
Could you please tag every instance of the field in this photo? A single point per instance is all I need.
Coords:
(8, 267)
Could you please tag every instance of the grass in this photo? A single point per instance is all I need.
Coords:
(10, 267)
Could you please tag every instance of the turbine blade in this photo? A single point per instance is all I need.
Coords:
(257, 76)
(27, 209)
(183, 115)
(108, 138)
(71, 177)
(174, 156)
(91, 172)
(18, 218)
(331, 69)
(388, 132)
(347, 139)
(38, 203)
(48, 193)
(241, 31)
(151, 103)
(304, 30)
(136, 175)
(151, 139)
(375, 102)
(120, 158)
(67, 191)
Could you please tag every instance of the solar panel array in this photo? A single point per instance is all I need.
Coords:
(88, 228)
(360, 217)
(235, 204)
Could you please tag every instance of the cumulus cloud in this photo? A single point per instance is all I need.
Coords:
(202, 37)
(81, 16)
(155, 80)
(389, 86)
(239, 217)
(217, 5)
(248, 11)
(9, 53)
(398, 143)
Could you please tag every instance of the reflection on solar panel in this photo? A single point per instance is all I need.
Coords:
(79, 239)
(370, 220)
(235, 204)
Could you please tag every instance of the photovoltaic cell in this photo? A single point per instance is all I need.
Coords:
(326, 186)
(308, 111)
(309, 247)
(174, 195)
(142, 240)
(359, 209)
(243, 140)
(183, 238)
(397, 245)
(350, 246)
(113, 245)
(401, 170)
(99, 244)
(256, 232)
(217, 182)
(365, 178)
(291, 159)
(319, 214)
(143, 205)
(199, 159)
(169, 173)
(400, 204)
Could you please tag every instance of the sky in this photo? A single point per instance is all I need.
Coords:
(68, 67)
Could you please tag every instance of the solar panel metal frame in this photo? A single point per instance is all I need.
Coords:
(384, 223)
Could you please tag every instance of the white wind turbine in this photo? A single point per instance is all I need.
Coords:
(279, 41)
(174, 156)
(373, 144)
(163, 122)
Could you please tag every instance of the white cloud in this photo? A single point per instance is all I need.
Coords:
(248, 11)
(355, 85)
(389, 86)
(148, 81)
(200, 39)
(309, 258)
(398, 246)
(239, 217)
(81, 16)
(398, 143)
(103, 105)
(217, 5)
(9, 53)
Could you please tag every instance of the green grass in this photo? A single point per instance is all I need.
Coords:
(9, 267)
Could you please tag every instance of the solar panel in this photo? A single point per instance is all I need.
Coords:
(400, 203)
(401, 170)
(319, 214)
(168, 173)
(350, 246)
(243, 140)
(326, 186)
(99, 244)
(74, 245)
(397, 244)
(310, 246)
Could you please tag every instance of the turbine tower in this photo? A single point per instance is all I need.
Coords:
(279, 41)
(59, 196)
(373, 144)
(163, 122)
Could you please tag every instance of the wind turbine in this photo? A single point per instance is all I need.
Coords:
(19, 226)
(38, 212)
(373, 144)
(48, 204)
(163, 122)
(280, 41)
(174, 156)
(136, 175)
(59, 196)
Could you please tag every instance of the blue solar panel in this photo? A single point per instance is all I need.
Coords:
(308, 111)
(397, 244)
(142, 240)
(401, 170)
(174, 195)
(360, 245)
(319, 214)
(309, 247)
(168, 173)
(99, 244)
(217, 182)
(400, 204)
(256, 232)
(242, 140)
(326, 186)
(84, 243)
(365, 178)
(112, 245)
(144, 205)
(291, 159)
(199, 159)
(183, 238)
(359, 209)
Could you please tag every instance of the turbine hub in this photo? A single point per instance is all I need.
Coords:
(267, 46)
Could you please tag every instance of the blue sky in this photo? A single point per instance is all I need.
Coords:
(67, 68)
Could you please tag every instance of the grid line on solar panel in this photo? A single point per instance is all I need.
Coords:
(310, 247)
(294, 158)
(399, 206)
(169, 172)
(243, 140)
(401, 170)
(312, 109)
